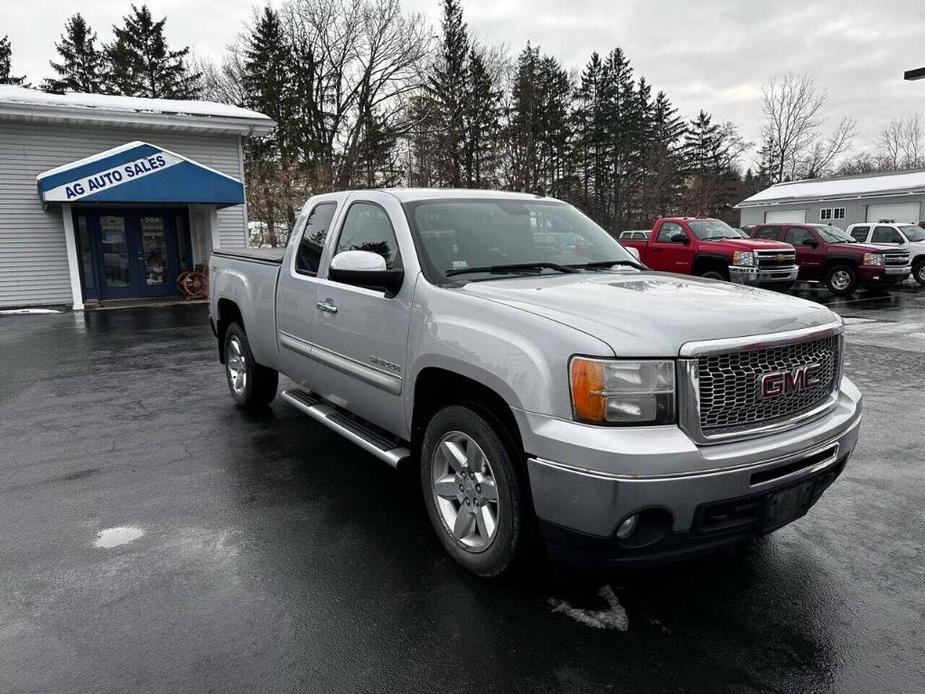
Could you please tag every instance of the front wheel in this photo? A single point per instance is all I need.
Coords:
(715, 275)
(842, 280)
(472, 491)
(252, 385)
(918, 272)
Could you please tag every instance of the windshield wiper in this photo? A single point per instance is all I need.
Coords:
(511, 267)
(609, 263)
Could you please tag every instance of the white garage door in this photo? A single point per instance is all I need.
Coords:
(785, 217)
(897, 211)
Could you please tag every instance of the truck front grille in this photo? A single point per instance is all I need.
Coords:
(775, 259)
(729, 384)
(896, 259)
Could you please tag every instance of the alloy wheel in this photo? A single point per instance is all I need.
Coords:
(465, 493)
(841, 280)
(237, 366)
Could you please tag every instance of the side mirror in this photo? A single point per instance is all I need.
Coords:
(679, 237)
(633, 252)
(365, 269)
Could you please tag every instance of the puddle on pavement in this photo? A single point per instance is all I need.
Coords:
(113, 537)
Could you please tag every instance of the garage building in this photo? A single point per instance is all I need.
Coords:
(109, 198)
(842, 200)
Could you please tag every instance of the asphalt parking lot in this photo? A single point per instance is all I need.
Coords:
(154, 538)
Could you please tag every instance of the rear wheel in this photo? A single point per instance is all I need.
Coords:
(252, 385)
(842, 280)
(918, 272)
(472, 491)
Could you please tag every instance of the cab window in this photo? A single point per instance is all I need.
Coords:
(368, 228)
(886, 235)
(797, 236)
(770, 233)
(312, 243)
(860, 233)
(667, 230)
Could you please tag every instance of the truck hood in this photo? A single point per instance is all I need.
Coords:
(747, 245)
(651, 314)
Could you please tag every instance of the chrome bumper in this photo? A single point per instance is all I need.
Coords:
(753, 275)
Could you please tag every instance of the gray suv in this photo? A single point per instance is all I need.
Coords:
(547, 387)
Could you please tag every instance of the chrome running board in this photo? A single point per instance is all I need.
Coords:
(334, 418)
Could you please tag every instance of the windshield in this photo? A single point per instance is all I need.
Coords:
(913, 233)
(832, 234)
(457, 235)
(705, 229)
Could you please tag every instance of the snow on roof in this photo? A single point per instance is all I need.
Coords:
(864, 185)
(90, 105)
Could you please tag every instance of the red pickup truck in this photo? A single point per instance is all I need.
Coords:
(827, 254)
(711, 248)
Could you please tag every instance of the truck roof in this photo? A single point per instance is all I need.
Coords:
(413, 194)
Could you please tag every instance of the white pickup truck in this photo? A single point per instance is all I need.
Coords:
(549, 388)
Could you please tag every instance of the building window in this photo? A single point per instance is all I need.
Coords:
(838, 213)
(825, 214)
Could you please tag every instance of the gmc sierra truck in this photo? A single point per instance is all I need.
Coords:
(548, 388)
(711, 248)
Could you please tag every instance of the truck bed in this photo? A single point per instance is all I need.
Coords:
(262, 255)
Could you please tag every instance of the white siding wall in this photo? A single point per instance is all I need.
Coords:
(33, 256)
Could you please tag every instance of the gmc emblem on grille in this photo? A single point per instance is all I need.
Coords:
(779, 383)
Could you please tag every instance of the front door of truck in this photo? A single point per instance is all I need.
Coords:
(810, 250)
(296, 289)
(672, 249)
(361, 333)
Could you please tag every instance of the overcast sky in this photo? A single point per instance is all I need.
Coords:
(710, 54)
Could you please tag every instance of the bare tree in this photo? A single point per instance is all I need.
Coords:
(793, 108)
(899, 145)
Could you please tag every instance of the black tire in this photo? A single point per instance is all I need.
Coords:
(512, 539)
(841, 280)
(715, 274)
(258, 386)
(918, 272)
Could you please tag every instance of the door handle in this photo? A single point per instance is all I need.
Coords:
(326, 307)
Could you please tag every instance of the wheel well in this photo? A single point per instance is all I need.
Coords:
(704, 263)
(436, 388)
(835, 262)
(228, 313)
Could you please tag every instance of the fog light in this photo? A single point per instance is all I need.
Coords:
(628, 527)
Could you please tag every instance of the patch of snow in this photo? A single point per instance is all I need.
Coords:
(10, 94)
(841, 187)
(614, 617)
(27, 311)
(114, 537)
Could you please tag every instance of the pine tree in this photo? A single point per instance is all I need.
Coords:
(81, 67)
(588, 122)
(662, 161)
(482, 118)
(143, 65)
(6, 58)
(623, 130)
(447, 86)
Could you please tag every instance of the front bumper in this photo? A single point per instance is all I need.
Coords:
(752, 275)
(586, 480)
(884, 274)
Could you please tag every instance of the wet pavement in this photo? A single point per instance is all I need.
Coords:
(154, 538)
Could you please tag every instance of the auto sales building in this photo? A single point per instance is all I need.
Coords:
(105, 197)
(898, 196)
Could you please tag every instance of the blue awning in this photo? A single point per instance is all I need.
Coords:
(138, 172)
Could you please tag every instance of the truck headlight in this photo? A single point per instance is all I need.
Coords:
(746, 258)
(875, 259)
(623, 391)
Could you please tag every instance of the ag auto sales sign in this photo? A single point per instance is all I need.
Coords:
(112, 177)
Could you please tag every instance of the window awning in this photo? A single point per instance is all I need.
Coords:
(138, 172)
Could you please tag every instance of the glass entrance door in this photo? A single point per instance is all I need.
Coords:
(131, 253)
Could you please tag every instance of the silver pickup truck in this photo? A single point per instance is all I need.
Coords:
(549, 387)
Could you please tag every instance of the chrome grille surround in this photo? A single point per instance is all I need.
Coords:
(896, 259)
(775, 259)
(718, 383)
